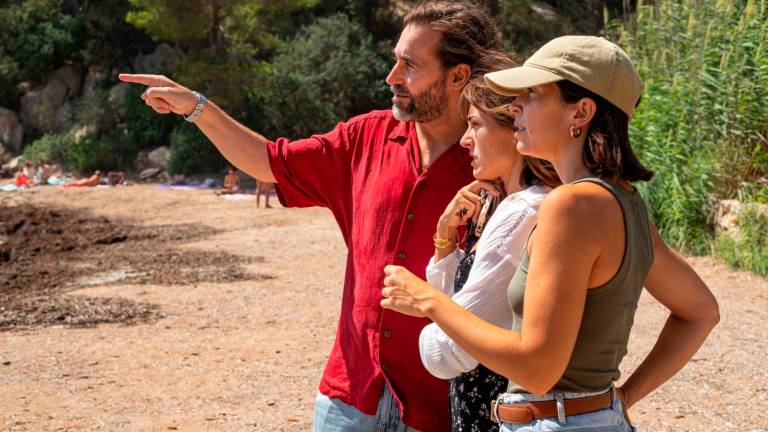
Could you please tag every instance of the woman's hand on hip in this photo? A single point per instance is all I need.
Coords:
(404, 292)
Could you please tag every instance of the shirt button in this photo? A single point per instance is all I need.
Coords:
(410, 217)
(387, 333)
(384, 368)
(401, 255)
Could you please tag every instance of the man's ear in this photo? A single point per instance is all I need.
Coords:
(458, 76)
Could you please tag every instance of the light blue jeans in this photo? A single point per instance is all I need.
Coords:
(333, 415)
(605, 420)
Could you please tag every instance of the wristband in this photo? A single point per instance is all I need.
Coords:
(198, 111)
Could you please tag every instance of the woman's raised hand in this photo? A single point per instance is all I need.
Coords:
(164, 95)
(404, 292)
(464, 206)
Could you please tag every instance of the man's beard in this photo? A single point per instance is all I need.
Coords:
(424, 107)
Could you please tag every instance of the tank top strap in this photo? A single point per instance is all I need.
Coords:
(618, 191)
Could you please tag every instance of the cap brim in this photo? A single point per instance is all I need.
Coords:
(511, 82)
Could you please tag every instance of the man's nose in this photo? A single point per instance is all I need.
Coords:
(395, 76)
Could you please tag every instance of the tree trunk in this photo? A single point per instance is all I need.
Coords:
(215, 25)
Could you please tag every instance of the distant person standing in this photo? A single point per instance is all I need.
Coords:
(386, 176)
(266, 189)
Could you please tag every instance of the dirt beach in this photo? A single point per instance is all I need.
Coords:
(141, 309)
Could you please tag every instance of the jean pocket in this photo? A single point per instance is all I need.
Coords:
(509, 427)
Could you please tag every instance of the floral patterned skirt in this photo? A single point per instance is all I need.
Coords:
(470, 398)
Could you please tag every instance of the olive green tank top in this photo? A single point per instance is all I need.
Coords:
(609, 311)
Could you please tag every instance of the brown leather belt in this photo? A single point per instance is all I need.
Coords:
(526, 412)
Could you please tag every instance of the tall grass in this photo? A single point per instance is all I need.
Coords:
(703, 120)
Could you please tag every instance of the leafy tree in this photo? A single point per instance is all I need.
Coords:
(212, 24)
(223, 40)
(109, 39)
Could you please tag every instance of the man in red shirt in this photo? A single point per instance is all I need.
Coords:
(386, 176)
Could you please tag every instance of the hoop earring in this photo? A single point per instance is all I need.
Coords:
(575, 132)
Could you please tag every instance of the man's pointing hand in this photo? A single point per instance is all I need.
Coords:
(162, 94)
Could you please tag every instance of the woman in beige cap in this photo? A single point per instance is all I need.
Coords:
(585, 264)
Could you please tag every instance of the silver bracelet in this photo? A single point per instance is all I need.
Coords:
(198, 111)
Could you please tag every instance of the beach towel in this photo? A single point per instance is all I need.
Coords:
(57, 181)
(180, 187)
(22, 180)
(75, 186)
(237, 196)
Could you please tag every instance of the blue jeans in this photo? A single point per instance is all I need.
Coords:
(333, 415)
(605, 420)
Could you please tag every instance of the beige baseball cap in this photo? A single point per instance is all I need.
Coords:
(589, 61)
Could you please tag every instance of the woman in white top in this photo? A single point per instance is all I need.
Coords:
(498, 226)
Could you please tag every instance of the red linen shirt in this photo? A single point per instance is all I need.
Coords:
(367, 171)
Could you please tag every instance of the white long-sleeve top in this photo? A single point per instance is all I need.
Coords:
(497, 256)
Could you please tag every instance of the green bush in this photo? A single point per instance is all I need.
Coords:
(191, 152)
(110, 151)
(87, 153)
(144, 127)
(748, 250)
(50, 148)
(118, 130)
(329, 72)
(701, 126)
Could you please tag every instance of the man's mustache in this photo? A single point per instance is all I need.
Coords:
(399, 90)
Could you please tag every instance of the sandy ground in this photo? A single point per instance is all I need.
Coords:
(248, 355)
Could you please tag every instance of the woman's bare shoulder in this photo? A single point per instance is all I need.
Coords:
(587, 200)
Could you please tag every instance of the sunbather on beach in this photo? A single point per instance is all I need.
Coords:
(26, 177)
(93, 180)
(231, 183)
(116, 178)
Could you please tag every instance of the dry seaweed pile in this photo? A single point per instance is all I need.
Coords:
(45, 253)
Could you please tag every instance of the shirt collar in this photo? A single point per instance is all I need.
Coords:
(401, 131)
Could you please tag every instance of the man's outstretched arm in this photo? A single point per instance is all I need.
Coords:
(244, 148)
